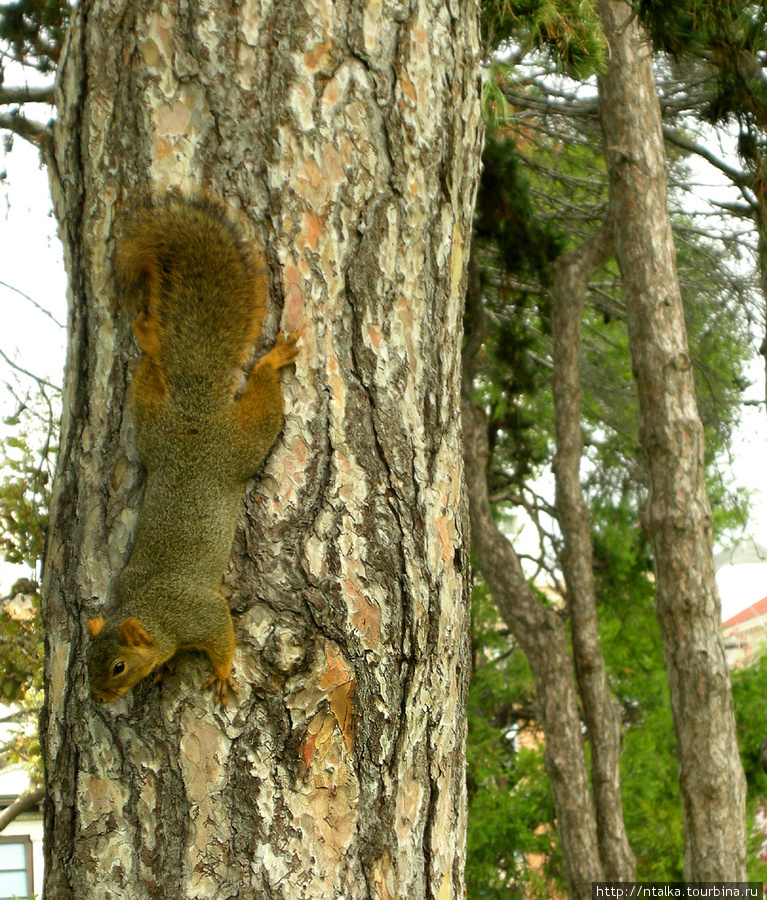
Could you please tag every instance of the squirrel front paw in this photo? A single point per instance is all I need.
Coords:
(284, 351)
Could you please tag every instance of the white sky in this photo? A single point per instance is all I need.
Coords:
(30, 261)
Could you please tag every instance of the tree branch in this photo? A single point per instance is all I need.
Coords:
(34, 132)
(18, 368)
(736, 176)
(25, 94)
(20, 805)
(34, 303)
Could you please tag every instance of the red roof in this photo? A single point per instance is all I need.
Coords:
(750, 612)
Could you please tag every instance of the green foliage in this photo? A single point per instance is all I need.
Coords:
(514, 249)
(21, 643)
(611, 430)
(33, 31)
(515, 388)
(24, 499)
(525, 243)
(502, 837)
(21, 675)
(495, 107)
(651, 802)
(24, 490)
(510, 806)
(689, 25)
(567, 29)
(727, 42)
(717, 331)
(749, 688)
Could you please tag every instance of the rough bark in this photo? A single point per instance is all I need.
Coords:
(678, 516)
(347, 135)
(541, 636)
(760, 219)
(572, 273)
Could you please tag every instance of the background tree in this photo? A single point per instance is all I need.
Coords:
(542, 637)
(511, 814)
(506, 426)
(572, 273)
(350, 142)
(716, 52)
(592, 835)
(678, 512)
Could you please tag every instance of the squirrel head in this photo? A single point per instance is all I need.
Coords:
(121, 655)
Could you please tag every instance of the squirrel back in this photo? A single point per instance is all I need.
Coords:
(203, 425)
(184, 266)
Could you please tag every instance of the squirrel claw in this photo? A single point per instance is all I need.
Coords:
(284, 351)
(220, 685)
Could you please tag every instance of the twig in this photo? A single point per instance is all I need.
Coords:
(34, 303)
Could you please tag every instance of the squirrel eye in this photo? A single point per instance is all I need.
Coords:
(118, 668)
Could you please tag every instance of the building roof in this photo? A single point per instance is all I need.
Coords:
(750, 612)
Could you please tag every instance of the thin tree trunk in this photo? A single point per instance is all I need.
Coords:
(572, 273)
(678, 513)
(760, 219)
(541, 636)
(348, 137)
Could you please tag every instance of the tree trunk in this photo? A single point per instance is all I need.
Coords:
(541, 636)
(348, 137)
(572, 273)
(678, 514)
(760, 220)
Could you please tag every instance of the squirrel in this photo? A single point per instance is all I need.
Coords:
(199, 302)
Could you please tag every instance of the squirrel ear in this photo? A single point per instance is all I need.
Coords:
(132, 633)
(95, 625)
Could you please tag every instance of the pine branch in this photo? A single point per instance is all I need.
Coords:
(736, 176)
(34, 132)
(26, 94)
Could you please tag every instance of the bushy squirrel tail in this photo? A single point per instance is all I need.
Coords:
(199, 291)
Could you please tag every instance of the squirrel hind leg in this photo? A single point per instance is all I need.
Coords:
(257, 414)
(222, 683)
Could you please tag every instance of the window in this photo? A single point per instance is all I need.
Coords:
(15, 867)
